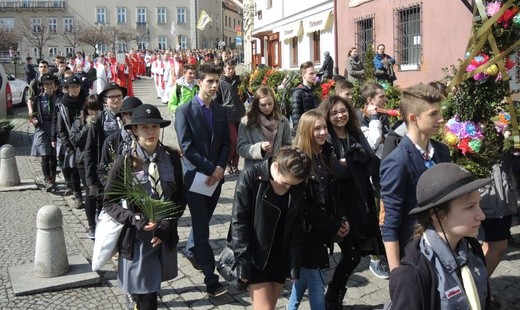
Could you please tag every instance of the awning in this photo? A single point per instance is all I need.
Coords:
(317, 22)
(291, 30)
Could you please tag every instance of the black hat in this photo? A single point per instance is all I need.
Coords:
(111, 86)
(28, 58)
(71, 80)
(444, 182)
(147, 114)
(129, 105)
(47, 79)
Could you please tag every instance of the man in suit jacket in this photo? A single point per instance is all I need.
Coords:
(203, 134)
(420, 108)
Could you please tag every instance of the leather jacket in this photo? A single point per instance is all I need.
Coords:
(254, 222)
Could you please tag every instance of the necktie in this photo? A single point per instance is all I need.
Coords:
(155, 181)
(470, 288)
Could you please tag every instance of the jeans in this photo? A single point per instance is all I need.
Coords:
(201, 209)
(313, 280)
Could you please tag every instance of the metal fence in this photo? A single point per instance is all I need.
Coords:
(408, 37)
(365, 35)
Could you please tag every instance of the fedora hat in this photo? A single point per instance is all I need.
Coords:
(444, 182)
(111, 86)
(129, 105)
(48, 79)
(147, 114)
(71, 80)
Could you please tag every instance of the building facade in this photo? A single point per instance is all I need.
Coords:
(423, 36)
(158, 24)
(232, 25)
(288, 33)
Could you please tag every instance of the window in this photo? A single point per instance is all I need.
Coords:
(69, 51)
(141, 15)
(121, 46)
(408, 38)
(183, 42)
(162, 42)
(101, 48)
(7, 23)
(181, 15)
(294, 52)
(161, 15)
(53, 52)
(53, 24)
(315, 41)
(121, 15)
(36, 52)
(68, 24)
(364, 35)
(268, 4)
(101, 15)
(36, 24)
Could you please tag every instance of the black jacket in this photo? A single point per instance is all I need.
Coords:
(78, 138)
(327, 67)
(67, 110)
(320, 221)
(229, 98)
(132, 217)
(302, 100)
(254, 222)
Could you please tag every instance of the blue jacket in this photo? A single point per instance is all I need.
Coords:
(203, 149)
(400, 171)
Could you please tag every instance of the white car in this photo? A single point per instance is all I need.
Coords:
(19, 90)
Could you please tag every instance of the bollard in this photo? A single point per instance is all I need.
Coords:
(50, 259)
(8, 169)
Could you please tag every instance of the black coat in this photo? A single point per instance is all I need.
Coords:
(254, 222)
(302, 100)
(132, 217)
(229, 98)
(327, 67)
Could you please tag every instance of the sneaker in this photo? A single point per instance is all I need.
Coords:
(49, 185)
(91, 233)
(194, 263)
(78, 204)
(219, 290)
(68, 191)
(380, 269)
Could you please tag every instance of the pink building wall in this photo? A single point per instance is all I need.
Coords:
(446, 26)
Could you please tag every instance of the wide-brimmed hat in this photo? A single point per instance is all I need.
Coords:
(147, 114)
(111, 86)
(444, 182)
(71, 80)
(48, 79)
(129, 105)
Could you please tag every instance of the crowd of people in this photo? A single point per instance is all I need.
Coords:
(325, 173)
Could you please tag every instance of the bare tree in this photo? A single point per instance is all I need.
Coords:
(119, 34)
(36, 32)
(140, 36)
(93, 35)
(71, 36)
(8, 38)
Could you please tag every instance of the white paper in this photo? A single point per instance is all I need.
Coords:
(199, 185)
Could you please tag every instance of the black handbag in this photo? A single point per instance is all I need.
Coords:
(226, 267)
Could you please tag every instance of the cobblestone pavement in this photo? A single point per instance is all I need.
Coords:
(18, 209)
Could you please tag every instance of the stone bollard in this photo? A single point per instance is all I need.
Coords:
(50, 259)
(8, 169)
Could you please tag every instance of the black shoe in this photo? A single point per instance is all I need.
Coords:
(68, 191)
(194, 263)
(78, 204)
(219, 290)
(91, 233)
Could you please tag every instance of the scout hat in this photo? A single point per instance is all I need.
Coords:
(147, 114)
(111, 86)
(48, 79)
(129, 105)
(71, 80)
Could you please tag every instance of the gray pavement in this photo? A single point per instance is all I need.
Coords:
(18, 236)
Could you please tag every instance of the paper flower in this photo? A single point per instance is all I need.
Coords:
(493, 7)
(451, 139)
(492, 70)
(507, 16)
(464, 146)
(509, 63)
(475, 145)
(478, 61)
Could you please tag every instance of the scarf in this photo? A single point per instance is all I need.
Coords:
(269, 128)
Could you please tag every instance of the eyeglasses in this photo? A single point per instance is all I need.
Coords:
(336, 113)
(114, 97)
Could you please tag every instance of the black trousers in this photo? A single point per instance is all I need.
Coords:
(350, 258)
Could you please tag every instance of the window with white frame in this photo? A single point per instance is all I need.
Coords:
(364, 35)
(68, 23)
(69, 50)
(162, 42)
(52, 23)
(101, 48)
(268, 4)
(7, 23)
(36, 52)
(161, 15)
(101, 15)
(141, 15)
(183, 42)
(181, 15)
(53, 52)
(408, 38)
(122, 46)
(36, 24)
(121, 15)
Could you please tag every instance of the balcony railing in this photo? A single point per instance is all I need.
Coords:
(141, 25)
(32, 5)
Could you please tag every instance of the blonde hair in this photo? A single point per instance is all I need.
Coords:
(304, 138)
